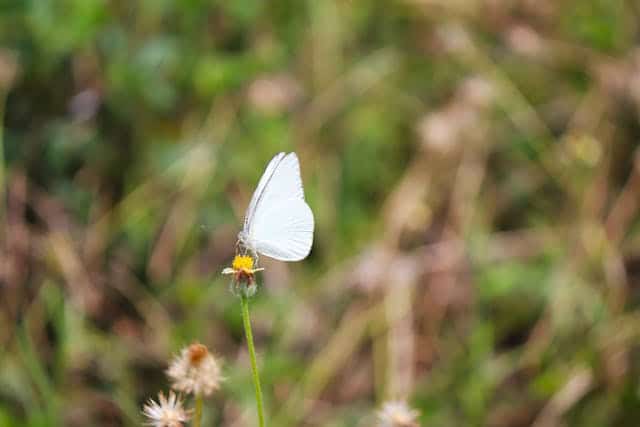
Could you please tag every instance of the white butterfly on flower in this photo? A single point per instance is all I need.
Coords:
(279, 222)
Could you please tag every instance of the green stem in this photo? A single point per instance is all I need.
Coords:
(252, 354)
(198, 412)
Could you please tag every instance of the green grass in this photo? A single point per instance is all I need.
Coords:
(472, 170)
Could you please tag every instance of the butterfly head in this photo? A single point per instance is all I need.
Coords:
(243, 238)
(245, 246)
(244, 242)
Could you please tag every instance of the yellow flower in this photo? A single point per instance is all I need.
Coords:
(243, 271)
(242, 266)
(242, 262)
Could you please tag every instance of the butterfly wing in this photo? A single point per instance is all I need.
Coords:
(284, 231)
(257, 194)
(280, 181)
(278, 216)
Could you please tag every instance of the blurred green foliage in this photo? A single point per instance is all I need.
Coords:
(473, 171)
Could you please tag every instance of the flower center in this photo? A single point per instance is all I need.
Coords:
(197, 352)
(242, 262)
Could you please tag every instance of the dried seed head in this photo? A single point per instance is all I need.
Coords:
(195, 371)
(197, 352)
(397, 414)
(166, 412)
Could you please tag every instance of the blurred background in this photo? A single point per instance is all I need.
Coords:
(473, 168)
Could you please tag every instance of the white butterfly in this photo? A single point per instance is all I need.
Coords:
(278, 222)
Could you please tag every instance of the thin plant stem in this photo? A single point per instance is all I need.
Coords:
(197, 416)
(252, 354)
